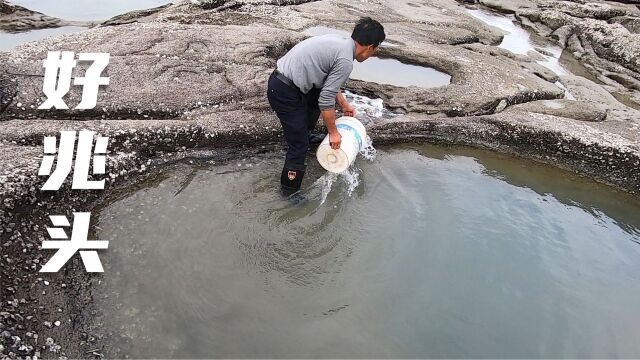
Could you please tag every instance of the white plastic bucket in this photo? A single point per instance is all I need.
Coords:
(354, 136)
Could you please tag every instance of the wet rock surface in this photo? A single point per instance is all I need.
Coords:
(188, 80)
(562, 108)
(156, 70)
(598, 29)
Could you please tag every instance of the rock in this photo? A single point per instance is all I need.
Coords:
(180, 64)
(185, 80)
(541, 71)
(610, 41)
(597, 98)
(218, 4)
(134, 16)
(624, 80)
(591, 10)
(631, 23)
(507, 7)
(8, 91)
(478, 82)
(501, 106)
(563, 33)
(562, 108)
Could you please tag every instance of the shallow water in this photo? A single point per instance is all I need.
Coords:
(439, 252)
(87, 9)
(394, 72)
(519, 41)
(10, 40)
(83, 10)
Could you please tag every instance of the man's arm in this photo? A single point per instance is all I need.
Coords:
(347, 109)
(327, 100)
(329, 118)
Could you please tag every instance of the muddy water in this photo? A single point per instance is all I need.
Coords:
(439, 252)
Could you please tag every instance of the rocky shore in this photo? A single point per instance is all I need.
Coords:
(188, 80)
(14, 18)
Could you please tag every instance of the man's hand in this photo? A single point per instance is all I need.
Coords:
(335, 139)
(329, 117)
(348, 110)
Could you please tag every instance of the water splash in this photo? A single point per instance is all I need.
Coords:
(326, 183)
(368, 109)
(350, 177)
(368, 151)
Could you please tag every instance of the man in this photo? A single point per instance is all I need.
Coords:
(307, 83)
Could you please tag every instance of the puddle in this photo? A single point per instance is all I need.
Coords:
(518, 40)
(575, 67)
(394, 72)
(440, 252)
(10, 40)
(87, 10)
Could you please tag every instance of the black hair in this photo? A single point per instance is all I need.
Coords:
(368, 32)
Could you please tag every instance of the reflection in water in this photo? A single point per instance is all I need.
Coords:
(394, 72)
(87, 9)
(440, 252)
(10, 40)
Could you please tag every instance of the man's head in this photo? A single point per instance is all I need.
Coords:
(368, 34)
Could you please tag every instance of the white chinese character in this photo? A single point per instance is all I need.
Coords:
(65, 159)
(57, 78)
(67, 248)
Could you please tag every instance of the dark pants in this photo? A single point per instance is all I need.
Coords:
(298, 114)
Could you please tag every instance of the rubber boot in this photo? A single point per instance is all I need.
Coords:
(290, 181)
